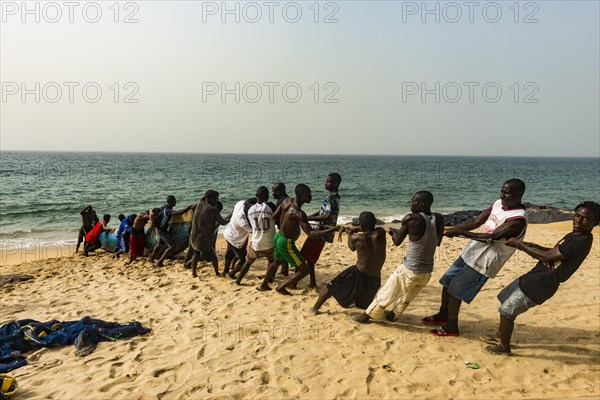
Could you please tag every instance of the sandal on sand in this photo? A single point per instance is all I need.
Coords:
(432, 320)
(441, 331)
(495, 349)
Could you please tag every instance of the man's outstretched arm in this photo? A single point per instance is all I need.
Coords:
(506, 230)
(469, 225)
(543, 254)
(183, 210)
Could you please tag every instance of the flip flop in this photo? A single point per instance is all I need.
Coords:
(441, 331)
(432, 320)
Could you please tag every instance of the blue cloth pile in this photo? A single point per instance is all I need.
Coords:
(20, 337)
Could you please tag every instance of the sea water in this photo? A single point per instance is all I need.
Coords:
(43, 192)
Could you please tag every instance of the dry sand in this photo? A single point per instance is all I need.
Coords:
(214, 340)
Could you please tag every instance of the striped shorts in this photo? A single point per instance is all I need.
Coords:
(285, 249)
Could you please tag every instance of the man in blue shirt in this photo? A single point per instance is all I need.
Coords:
(325, 218)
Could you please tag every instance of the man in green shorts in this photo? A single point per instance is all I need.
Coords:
(292, 221)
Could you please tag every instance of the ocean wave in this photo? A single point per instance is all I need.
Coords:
(24, 233)
(10, 246)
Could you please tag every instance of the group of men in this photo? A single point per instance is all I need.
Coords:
(251, 234)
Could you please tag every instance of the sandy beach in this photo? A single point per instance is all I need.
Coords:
(214, 340)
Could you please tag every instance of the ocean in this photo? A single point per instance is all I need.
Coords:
(43, 192)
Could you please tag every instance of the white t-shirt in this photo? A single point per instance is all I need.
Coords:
(486, 258)
(238, 229)
(263, 226)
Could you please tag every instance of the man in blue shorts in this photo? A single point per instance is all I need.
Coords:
(482, 258)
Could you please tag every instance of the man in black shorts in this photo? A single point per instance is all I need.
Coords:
(556, 265)
(358, 284)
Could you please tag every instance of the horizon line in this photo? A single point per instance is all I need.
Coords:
(292, 154)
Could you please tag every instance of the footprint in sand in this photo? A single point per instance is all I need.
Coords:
(158, 372)
(200, 353)
(370, 376)
(265, 378)
(113, 369)
(48, 365)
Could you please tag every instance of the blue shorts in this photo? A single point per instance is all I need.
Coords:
(462, 281)
(514, 301)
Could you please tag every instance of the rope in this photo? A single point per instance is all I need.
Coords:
(488, 241)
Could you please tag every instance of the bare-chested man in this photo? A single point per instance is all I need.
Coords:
(358, 284)
(203, 234)
(89, 219)
(292, 222)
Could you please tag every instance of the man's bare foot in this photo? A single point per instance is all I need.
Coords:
(498, 349)
(262, 288)
(313, 286)
(492, 339)
(218, 274)
(363, 318)
(283, 291)
(194, 275)
(159, 264)
(312, 311)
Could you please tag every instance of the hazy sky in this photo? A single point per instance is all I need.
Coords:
(343, 77)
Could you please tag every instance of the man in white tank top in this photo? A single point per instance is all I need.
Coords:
(424, 230)
(481, 258)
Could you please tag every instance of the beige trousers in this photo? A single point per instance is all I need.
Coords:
(401, 288)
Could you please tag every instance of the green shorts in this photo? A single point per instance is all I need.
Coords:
(285, 249)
